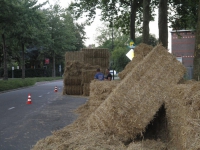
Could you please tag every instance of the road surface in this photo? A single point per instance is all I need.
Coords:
(22, 125)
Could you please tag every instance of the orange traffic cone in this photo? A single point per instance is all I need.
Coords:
(56, 89)
(29, 99)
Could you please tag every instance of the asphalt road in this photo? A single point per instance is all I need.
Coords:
(22, 125)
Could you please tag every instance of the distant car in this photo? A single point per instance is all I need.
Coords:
(111, 71)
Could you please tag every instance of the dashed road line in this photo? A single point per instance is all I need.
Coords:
(11, 108)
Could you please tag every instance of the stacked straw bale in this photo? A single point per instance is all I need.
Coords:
(183, 115)
(74, 55)
(140, 52)
(77, 77)
(72, 78)
(134, 102)
(98, 57)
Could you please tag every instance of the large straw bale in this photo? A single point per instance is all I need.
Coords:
(134, 102)
(73, 89)
(147, 145)
(74, 56)
(140, 52)
(183, 115)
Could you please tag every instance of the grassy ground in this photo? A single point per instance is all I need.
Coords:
(19, 83)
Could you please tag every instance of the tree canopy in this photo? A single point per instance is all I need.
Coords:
(26, 27)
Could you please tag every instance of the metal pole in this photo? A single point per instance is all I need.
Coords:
(112, 50)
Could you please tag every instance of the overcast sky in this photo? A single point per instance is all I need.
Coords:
(91, 30)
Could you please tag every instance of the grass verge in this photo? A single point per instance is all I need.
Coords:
(19, 83)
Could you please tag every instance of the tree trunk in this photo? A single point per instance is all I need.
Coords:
(5, 75)
(146, 17)
(23, 62)
(54, 66)
(133, 18)
(162, 23)
(196, 63)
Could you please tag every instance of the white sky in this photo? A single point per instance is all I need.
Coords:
(91, 30)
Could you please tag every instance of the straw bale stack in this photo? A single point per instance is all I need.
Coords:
(183, 115)
(134, 102)
(72, 78)
(77, 77)
(74, 55)
(147, 145)
(140, 52)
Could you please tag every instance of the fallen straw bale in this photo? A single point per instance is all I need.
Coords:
(134, 102)
(140, 52)
(99, 91)
(70, 138)
(183, 115)
(147, 145)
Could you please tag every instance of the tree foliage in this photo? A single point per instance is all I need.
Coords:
(29, 33)
(183, 14)
(124, 14)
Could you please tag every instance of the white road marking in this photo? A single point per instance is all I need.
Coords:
(11, 108)
(40, 96)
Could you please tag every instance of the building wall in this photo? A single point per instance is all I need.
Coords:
(183, 45)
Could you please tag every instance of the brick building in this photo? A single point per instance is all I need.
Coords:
(183, 45)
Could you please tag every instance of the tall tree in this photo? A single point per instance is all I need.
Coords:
(64, 34)
(196, 74)
(28, 26)
(146, 19)
(8, 19)
(163, 22)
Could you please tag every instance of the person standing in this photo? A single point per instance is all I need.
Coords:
(108, 75)
(99, 75)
